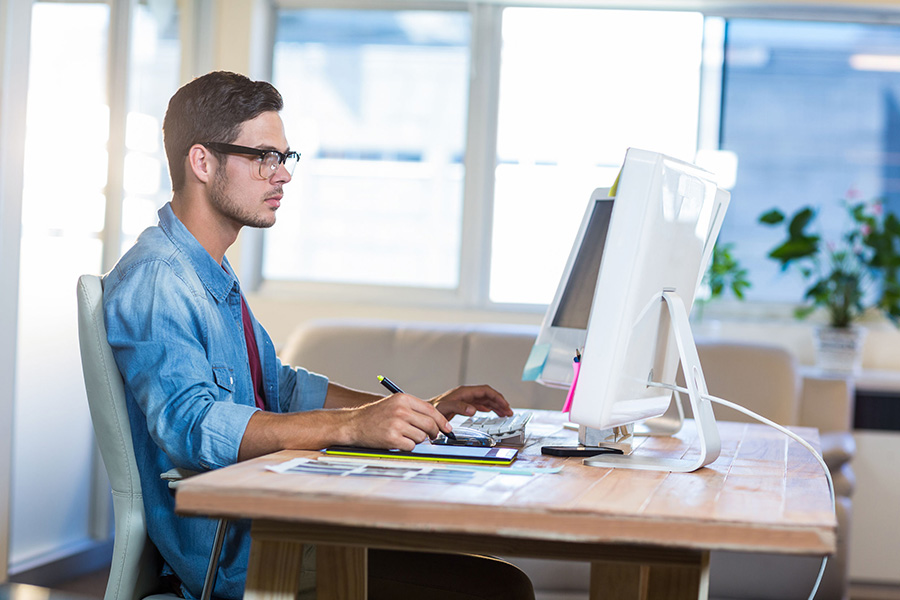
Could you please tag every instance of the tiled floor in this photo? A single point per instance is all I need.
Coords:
(874, 592)
(93, 585)
(87, 587)
(21, 591)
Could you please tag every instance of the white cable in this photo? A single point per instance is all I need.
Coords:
(785, 431)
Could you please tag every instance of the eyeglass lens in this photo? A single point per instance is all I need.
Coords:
(271, 160)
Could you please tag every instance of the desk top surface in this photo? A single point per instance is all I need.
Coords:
(764, 493)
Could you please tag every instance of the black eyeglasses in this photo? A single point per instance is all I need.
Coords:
(268, 159)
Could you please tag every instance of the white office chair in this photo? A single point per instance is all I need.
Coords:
(134, 572)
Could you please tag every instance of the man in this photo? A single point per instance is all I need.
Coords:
(203, 386)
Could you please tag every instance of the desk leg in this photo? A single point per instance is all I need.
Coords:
(630, 581)
(341, 573)
(273, 571)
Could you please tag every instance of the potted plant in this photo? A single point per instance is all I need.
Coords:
(847, 277)
(725, 273)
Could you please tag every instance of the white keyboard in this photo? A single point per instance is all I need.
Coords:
(504, 430)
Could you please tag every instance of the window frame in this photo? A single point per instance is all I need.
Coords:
(472, 292)
(477, 201)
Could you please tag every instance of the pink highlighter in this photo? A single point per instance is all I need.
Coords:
(576, 366)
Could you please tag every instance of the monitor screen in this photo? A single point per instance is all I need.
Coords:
(566, 320)
(578, 291)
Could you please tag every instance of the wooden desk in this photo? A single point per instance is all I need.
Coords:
(647, 534)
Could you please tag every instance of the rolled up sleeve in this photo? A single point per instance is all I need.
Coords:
(299, 389)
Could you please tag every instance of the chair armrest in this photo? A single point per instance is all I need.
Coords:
(173, 476)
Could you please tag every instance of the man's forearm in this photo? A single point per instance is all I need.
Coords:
(340, 396)
(312, 430)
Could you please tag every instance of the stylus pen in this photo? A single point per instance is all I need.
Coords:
(392, 387)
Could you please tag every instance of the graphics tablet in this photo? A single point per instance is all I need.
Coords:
(429, 451)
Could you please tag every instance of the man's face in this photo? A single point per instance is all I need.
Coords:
(238, 191)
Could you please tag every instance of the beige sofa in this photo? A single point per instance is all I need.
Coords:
(427, 359)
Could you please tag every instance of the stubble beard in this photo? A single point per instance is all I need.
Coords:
(228, 206)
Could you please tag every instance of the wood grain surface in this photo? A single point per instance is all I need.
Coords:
(642, 530)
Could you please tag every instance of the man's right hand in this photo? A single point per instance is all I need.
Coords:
(398, 421)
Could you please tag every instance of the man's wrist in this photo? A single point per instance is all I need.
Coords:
(340, 427)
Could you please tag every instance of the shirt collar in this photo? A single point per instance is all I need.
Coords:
(218, 281)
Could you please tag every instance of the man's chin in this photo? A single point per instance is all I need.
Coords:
(261, 222)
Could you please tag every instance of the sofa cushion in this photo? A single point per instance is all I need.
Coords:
(424, 361)
(732, 371)
(496, 355)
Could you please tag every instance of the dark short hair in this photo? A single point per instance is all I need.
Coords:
(212, 108)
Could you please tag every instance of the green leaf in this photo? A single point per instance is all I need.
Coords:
(801, 219)
(738, 286)
(795, 248)
(772, 217)
(801, 312)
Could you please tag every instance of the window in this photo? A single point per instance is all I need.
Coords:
(577, 88)
(63, 206)
(70, 185)
(376, 104)
(153, 68)
(811, 111)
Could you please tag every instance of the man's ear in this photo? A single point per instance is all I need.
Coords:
(202, 163)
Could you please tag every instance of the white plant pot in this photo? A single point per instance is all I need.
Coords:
(839, 349)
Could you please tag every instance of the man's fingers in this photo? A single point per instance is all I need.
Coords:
(480, 397)
(428, 416)
(415, 419)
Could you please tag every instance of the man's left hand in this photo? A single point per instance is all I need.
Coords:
(467, 399)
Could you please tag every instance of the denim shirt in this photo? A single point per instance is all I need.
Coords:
(173, 319)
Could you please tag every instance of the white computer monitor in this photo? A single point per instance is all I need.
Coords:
(658, 230)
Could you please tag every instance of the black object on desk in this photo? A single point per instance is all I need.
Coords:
(578, 450)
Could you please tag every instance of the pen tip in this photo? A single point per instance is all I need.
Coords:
(381, 378)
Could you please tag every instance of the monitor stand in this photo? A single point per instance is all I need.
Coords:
(668, 424)
(615, 438)
(707, 432)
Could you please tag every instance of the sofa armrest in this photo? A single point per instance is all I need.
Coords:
(838, 450)
(826, 402)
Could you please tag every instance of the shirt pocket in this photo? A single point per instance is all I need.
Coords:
(224, 377)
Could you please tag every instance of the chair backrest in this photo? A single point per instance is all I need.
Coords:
(134, 572)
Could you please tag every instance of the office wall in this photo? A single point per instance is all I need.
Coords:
(14, 25)
(51, 512)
